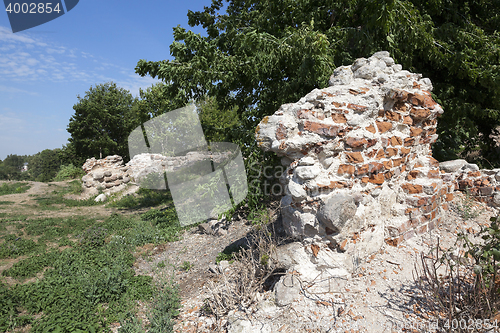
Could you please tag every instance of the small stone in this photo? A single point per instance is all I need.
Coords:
(101, 198)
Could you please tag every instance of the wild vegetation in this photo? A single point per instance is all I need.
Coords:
(74, 273)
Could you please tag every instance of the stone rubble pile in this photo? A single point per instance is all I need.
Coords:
(358, 154)
(111, 176)
(107, 174)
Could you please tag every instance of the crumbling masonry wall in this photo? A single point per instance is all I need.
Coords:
(358, 155)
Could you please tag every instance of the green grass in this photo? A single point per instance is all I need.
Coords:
(13, 188)
(90, 283)
(144, 198)
(6, 202)
(56, 197)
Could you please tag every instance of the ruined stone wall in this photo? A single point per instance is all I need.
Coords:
(359, 156)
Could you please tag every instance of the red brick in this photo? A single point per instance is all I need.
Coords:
(397, 161)
(281, 132)
(322, 129)
(412, 189)
(474, 174)
(383, 126)
(391, 115)
(465, 183)
(357, 107)
(338, 105)
(355, 157)
(415, 131)
(400, 106)
(355, 142)
(388, 164)
(403, 168)
(420, 113)
(380, 154)
(339, 118)
(371, 142)
(362, 170)
(377, 178)
(391, 152)
(371, 153)
(370, 128)
(409, 142)
(416, 201)
(449, 197)
(407, 120)
(374, 167)
(413, 174)
(396, 141)
(333, 185)
(346, 169)
(405, 151)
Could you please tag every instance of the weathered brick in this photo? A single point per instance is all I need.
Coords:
(407, 120)
(416, 99)
(420, 113)
(357, 107)
(397, 161)
(354, 157)
(362, 170)
(391, 115)
(429, 122)
(374, 167)
(396, 141)
(370, 128)
(409, 142)
(333, 185)
(337, 104)
(449, 197)
(409, 234)
(355, 142)
(377, 178)
(394, 241)
(346, 169)
(371, 142)
(400, 106)
(388, 164)
(371, 153)
(281, 132)
(415, 131)
(365, 180)
(322, 129)
(445, 206)
(474, 174)
(391, 152)
(413, 175)
(416, 201)
(339, 118)
(411, 188)
(380, 154)
(433, 215)
(389, 174)
(405, 151)
(403, 168)
(430, 132)
(383, 126)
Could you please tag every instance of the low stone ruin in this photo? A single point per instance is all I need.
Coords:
(110, 175)
(107, 174)
(358, 154)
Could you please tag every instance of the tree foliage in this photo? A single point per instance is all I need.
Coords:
(10, 168)
(102, 121)
(261, 54)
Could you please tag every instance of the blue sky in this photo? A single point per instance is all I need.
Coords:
(45, 68)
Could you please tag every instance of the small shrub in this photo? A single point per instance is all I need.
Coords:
(68, 172)
(186, 266)
(13, 188)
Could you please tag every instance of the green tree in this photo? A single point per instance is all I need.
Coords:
(261, 54)
(102, 121)
(44, 165)
(11, 167)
